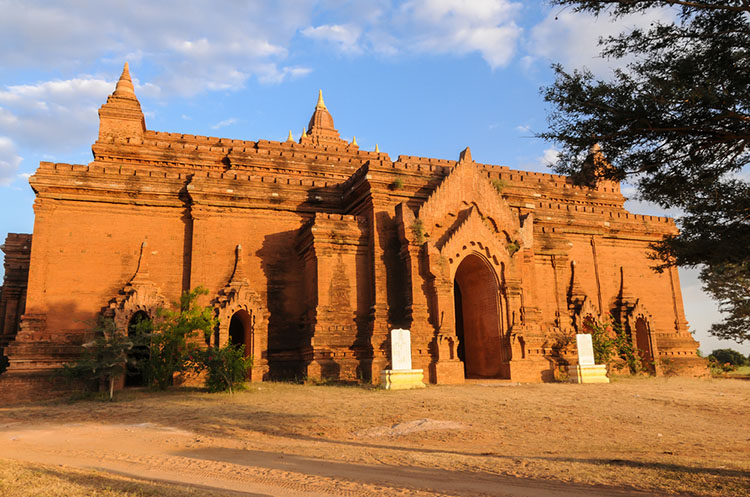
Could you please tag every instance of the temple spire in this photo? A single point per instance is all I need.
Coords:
(465, 155)
(377, 149)
(290, 138)
(121, 116)
(354, 141)
(124, 86)
(321, 104)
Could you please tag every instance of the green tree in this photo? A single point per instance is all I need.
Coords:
(728, 356)
(173, 336)
(675, 121)
(103, 358)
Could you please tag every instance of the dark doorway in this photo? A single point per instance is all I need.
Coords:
(643, 344)
(240, 330)
(480, 345)
(139, 353)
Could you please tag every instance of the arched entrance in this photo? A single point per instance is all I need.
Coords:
(241, 330)
(139, 353)
(478, 328)
(643, 344)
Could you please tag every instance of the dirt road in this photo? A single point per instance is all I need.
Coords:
(627, 439)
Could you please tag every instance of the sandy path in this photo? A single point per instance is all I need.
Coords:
(153, 452)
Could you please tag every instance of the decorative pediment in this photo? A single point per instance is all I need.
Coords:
(468, 184)
(473, 234)
(236, 296)
(139, 294)
(583, 309)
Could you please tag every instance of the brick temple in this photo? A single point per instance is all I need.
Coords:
(313, 249)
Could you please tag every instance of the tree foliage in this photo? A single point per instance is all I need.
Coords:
(103, 358)
(675, 122)
(729, 284)
(172, 337)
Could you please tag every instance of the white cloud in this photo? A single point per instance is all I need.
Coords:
(344, 36)
(543, 163)
(9, 161)
(56, 115)
(571, 38)
(457, 27)
(224, 123)
(549, 157)
(523, 128)
(200, 48)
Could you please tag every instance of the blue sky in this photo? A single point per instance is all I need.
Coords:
(418, 77)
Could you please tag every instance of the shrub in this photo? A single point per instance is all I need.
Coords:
(226, 367)
(729, 356)
(611, 342)
(397, 184)
(103, 358)
(171, 339)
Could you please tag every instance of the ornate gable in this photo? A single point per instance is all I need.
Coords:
(468, 185)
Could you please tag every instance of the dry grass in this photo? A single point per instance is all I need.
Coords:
(669, 435)
(26, 480)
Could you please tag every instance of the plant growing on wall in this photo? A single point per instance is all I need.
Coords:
(499, 184)
(417, 230)
(397, 184)
(512, 247)
(103, 359)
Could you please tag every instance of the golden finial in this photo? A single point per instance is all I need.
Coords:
(321, 104)
(354, 141)
(290, 138)
(377, 149)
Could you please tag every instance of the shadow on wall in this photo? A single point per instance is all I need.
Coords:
(286, 301)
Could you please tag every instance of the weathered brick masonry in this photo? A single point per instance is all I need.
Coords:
(312, 250)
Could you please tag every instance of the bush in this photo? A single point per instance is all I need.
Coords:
(611, 342)
(730, 356)
(226, 367)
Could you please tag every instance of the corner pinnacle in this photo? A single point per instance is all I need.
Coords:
(377, 149)
(465, 155)
(354, 141)
(290, 138)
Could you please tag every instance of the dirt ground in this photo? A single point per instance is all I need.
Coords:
(647, 436)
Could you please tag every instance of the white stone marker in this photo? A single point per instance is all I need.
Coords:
(401, 376)
(585, 350)
(400, 349)
(587, 371)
